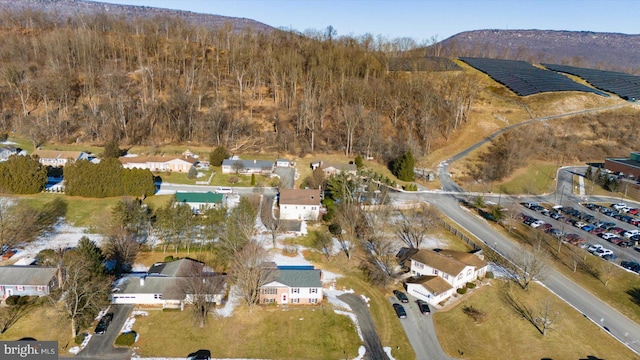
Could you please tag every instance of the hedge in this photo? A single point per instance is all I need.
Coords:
(126, 339)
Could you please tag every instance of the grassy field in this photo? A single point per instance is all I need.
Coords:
(535, 179)
(267, 333)
(42, 323)
(503, 334)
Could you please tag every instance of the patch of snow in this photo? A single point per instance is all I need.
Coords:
(63, 235)
(101, 313)
(366, 299)
(200, 174)
(303, 228)
(75, 350)
(281, 259)
(139, 268)
(165, 192)
(128, 324)
(499, 271)
(387, 350)
(230, 305)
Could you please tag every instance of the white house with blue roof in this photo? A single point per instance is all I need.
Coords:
(292, 285)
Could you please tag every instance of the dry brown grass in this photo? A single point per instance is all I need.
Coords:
(503, 334)
(42, 323)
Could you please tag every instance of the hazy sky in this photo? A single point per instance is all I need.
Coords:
(421, 19)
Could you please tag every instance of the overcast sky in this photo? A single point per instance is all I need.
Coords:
(421, 19)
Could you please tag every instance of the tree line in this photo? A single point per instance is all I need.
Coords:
(107, 179)
(153, 81)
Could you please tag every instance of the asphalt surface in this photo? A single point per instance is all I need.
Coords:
(420, 331)
(372, 344)
(101, 346)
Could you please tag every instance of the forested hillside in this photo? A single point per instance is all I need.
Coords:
(153, 81)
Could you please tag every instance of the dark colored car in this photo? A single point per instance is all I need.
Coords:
(401, 296)
(400, 311)
(103, 324)
(424, 307)
(631, 265)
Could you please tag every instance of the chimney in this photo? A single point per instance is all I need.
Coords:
(142, 281)
(254, 161)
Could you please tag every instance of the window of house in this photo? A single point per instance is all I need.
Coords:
(313, 291)
(295, 301)
(269, 301)
(295, 290)
(446, 276)
(313, 208)
(435, 272)
(270, 291)
(157, 296)
(459, 276)
(469, 272)
(313, 301)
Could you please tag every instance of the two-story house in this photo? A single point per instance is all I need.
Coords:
(437, 274)
(292, 285)
(299, 204)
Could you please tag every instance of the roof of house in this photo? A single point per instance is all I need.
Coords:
(440, 261)
(26, 275)
(171, 288)
(465, 257)
(249, 164)
(198, 197)
(341, 167)
(300, 196)
(435, 284)
(58, 154)
(178, 268)
(296, 277)
(155, 159)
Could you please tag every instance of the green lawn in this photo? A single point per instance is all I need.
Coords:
(535, 179)
(269, 332)
(503, 334)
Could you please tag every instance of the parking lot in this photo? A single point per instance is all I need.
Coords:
(606, 230)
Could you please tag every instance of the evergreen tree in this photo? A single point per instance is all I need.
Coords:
(22, 175)
(402, 167)
(218, 155)
(359, 162)
(253, 179)
(91, 253)
(112, 150)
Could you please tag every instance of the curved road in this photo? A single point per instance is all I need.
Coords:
(618, 325)
(371, 340)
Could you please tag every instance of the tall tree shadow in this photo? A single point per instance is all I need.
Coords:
(635, 295)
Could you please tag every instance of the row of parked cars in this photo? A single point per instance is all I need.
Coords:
(618, 211)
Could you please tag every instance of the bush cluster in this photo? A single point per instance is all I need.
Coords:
(126, 339)
(462, 291)
(22, 175)
(106, 179)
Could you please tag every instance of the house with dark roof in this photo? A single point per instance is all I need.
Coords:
(26, 280)
(235, 165)
(437, 274)
(168, 285)
(59, 158)
(292, 285)
(200, 201)
(299, 204)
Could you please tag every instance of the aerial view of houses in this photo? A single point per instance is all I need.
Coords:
(197, 184)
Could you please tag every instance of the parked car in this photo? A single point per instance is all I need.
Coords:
(537, 224)
(574, 239)
(616, 230)
(424, 307)
(588, 228)
(400, 311)
(607, 236)
(580, 224)
(631, 265)
(634, 211)
(103, 324)
(618, 206)
(629, 233)
(557, 216)
(556, 233)
(595, 247)
(598, 231)
(603, 252)
(634, 221)
(401, 296)
(591, 206)
(566, 210)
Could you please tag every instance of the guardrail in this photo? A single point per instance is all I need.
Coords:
(459, 234)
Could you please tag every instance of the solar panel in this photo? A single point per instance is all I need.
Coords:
(525, 79)
(624, 85)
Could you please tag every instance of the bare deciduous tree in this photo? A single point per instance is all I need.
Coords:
(543, 317)
(414, 226)
(249, 272)
(607, 272)
(529, 266)
(199, 287)
(324, 243)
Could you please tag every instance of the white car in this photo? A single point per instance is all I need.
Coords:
(629, 233)
(619, 206)
(537, 224)
(580, 224)
(594, 248)
(607, 236)
(603, 252)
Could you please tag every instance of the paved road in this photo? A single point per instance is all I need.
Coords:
(101, 346)
(372, 344)
(421, 332)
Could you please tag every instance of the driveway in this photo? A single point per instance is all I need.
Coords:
(101, 346)
(372, 344)
(421, 332)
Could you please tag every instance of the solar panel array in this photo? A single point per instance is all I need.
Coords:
(525, 79)
(626, 86)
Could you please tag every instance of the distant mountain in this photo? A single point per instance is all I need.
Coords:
(609, 51)
(67, 8)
